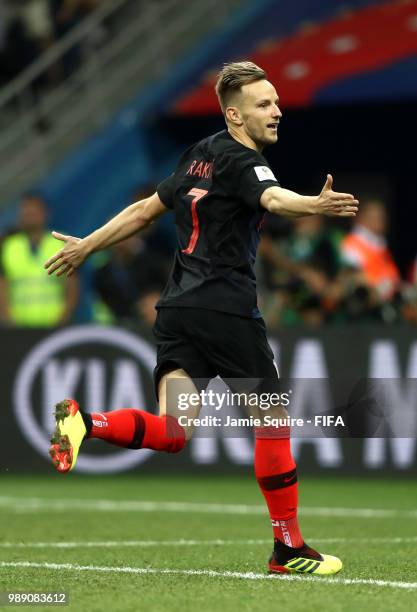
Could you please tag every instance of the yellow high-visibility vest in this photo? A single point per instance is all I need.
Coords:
(34, 298)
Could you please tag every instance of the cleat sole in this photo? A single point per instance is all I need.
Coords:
(67, 437)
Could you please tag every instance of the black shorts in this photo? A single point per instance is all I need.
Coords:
(209, 343)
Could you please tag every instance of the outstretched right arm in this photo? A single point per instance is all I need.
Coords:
(132, 219)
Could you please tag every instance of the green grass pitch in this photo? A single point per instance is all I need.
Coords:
(131, 522)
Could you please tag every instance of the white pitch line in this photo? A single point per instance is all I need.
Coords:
(217, 542)
(39, 504)
(129, 543)
(212, 574)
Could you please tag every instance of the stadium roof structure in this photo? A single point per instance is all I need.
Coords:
(324, 52)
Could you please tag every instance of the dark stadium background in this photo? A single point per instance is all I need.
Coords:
(97, 102)
(370, 151)
(361, 126)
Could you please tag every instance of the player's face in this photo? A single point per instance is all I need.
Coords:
(260, 112)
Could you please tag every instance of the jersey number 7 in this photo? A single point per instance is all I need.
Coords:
(198, 194)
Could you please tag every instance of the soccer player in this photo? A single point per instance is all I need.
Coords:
(208, 322)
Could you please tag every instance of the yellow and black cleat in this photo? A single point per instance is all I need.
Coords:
(304, 560)
(68, 435)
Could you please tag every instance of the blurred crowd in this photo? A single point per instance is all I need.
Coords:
(29, 27)
(310, 273)
(313, 273)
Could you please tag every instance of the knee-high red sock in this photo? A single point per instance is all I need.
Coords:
(276, 474)
(133, 428)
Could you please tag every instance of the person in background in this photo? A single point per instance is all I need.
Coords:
(129, 277)
(38, 22)
(28, 297)
(299, 269)
(128, 280)
(160, 236)
(365, 249)
(65, 15)
(19, 48)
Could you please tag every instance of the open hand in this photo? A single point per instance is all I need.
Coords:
(334, 204)
(69, 258)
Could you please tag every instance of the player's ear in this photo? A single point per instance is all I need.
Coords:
(233, 115)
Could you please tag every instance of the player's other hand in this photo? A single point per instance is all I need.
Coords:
(334, 204)
(69, 258)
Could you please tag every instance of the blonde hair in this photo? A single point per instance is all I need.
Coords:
(231, 78)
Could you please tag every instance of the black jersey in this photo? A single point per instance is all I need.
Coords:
(215, 195)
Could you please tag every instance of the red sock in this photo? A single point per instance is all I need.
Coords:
(133, 428)
(276, 474)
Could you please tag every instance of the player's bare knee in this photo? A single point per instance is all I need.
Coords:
(169, 405)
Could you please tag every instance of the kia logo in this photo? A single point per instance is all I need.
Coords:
(103, 368)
